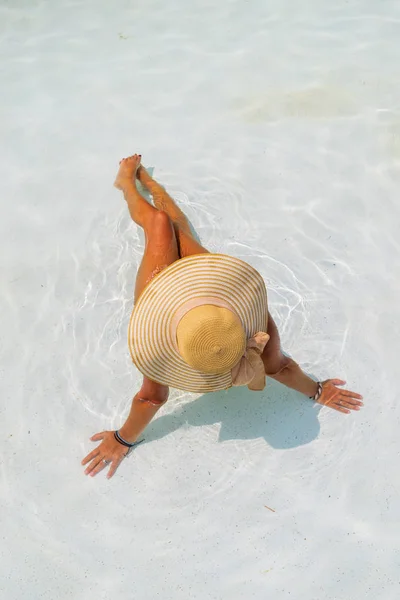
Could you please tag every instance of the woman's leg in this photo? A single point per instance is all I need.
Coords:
(187, 245)
(161, 247)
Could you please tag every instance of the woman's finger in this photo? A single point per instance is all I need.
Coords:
(351, 394)
(346, 403)
(93, 465)
(349, 400)
(114, 466)
(339, 408)
(349, 405)
(98, 436)
(99, 467)
(90, 456)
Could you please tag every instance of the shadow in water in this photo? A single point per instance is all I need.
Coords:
(283, 417)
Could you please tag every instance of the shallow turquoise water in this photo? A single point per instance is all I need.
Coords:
(276, 126)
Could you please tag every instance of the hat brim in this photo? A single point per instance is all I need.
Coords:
(149, 336)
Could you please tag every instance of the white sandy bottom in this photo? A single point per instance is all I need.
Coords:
(277, 129)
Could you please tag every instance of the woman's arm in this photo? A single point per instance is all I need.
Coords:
(330, 395)
(294, 377)
(111, 452)
(142, 411)
(280, 367)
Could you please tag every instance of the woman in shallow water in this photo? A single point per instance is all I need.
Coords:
(200, 323)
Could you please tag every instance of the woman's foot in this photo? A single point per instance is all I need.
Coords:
(127, 171)
(143, 176)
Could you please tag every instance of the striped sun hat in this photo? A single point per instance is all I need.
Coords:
(200, 325)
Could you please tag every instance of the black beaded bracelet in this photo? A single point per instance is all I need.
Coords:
(124, 442)
(317, 396)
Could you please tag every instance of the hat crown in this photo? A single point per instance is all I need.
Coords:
(210, 339)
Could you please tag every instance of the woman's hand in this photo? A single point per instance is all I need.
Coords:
(110, 452)
(339, 399)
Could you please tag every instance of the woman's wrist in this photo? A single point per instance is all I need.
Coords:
(127, 435)
(318, 391)
(129, 447)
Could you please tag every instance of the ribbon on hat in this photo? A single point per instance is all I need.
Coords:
(250, 369)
